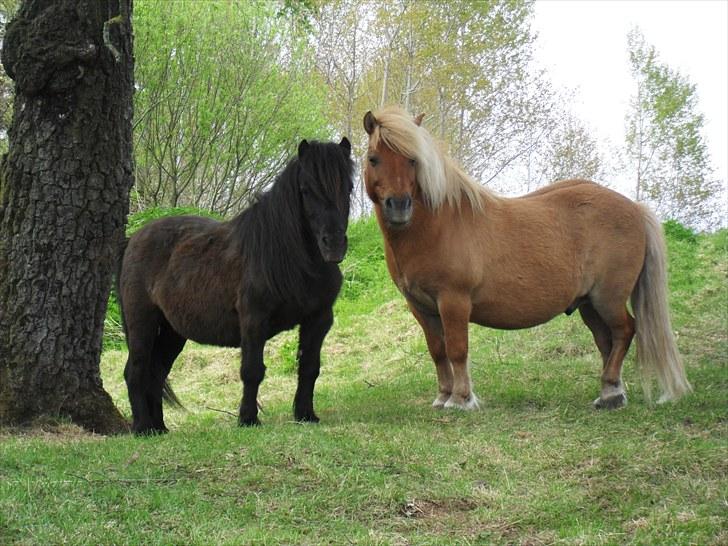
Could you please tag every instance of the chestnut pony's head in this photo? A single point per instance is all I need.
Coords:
(405, 169)
(390, 171)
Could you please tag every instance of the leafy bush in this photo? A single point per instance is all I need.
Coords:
(364, 265)
(675, 231)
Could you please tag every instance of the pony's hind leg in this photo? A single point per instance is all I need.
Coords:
(432, 327)
(138, 374)
(600, 331)
(167, 346)
(620, 325)
(455, 315)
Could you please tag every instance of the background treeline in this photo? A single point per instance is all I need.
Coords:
(226, 88)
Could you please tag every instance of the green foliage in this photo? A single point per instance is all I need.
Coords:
(465, 64)
(364, 269)
(113, 329)
(720, 240)
(536, 465)
(288, 354)
(665, 143)
(675, 231)
(572, 153)
(224, 94)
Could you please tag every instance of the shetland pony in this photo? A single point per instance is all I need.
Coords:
(238, 283)
(459, 254)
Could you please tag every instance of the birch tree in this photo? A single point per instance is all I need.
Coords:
(667, 151)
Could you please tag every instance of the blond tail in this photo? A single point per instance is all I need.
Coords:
(657, 354)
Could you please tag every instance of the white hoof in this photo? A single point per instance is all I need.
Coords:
(613, 402)
(457, 402)
(611, 397)
(440, 401)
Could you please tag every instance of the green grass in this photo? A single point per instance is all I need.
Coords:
(536, 465)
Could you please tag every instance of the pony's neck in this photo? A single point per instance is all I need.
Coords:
(275, 241)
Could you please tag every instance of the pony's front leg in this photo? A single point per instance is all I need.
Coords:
(432, 327)
(313, 331)
(455, 316)
(252, 371)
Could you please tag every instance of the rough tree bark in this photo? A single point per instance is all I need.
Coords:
(64, 190)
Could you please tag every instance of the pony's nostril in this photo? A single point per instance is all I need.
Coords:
(398, 203)
(325, 240)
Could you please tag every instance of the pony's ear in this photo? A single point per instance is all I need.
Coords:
(419, 118)
(302, 147)
(369, 122)
(346, 145)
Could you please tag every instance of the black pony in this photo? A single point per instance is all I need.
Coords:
(239, 283)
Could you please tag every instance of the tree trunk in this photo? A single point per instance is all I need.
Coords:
(64, 191)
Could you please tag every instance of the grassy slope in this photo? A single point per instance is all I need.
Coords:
(535, 465)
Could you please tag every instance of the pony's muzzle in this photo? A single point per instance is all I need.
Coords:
(333, 247)
(397, 210)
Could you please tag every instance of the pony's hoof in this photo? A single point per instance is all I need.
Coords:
(150, 431)
(466, 404)
(307, 418)
(613, 402)
(249, 421)
(440, 401)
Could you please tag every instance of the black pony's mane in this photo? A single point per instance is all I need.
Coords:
(272, 234)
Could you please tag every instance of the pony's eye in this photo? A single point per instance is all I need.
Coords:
(373, 160)
(412, 162)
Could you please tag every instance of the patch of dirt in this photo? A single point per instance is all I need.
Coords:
(435, 509)
(456, 517)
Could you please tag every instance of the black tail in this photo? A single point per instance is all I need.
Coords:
(169, 396)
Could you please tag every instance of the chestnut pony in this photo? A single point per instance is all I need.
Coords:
(460, 254)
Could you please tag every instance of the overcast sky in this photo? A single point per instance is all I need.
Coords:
(583, 45)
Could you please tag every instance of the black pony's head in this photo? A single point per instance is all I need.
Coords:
(300, 223)
(325, 183)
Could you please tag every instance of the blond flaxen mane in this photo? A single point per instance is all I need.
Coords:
(440, 179)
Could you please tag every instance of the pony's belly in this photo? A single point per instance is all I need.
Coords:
(220, 339)
(223, 331)
(502, 313)
(513, 317)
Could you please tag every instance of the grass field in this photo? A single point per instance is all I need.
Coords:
(536, 465)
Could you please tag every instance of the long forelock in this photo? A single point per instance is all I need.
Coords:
(331, 173)
(439, 178)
